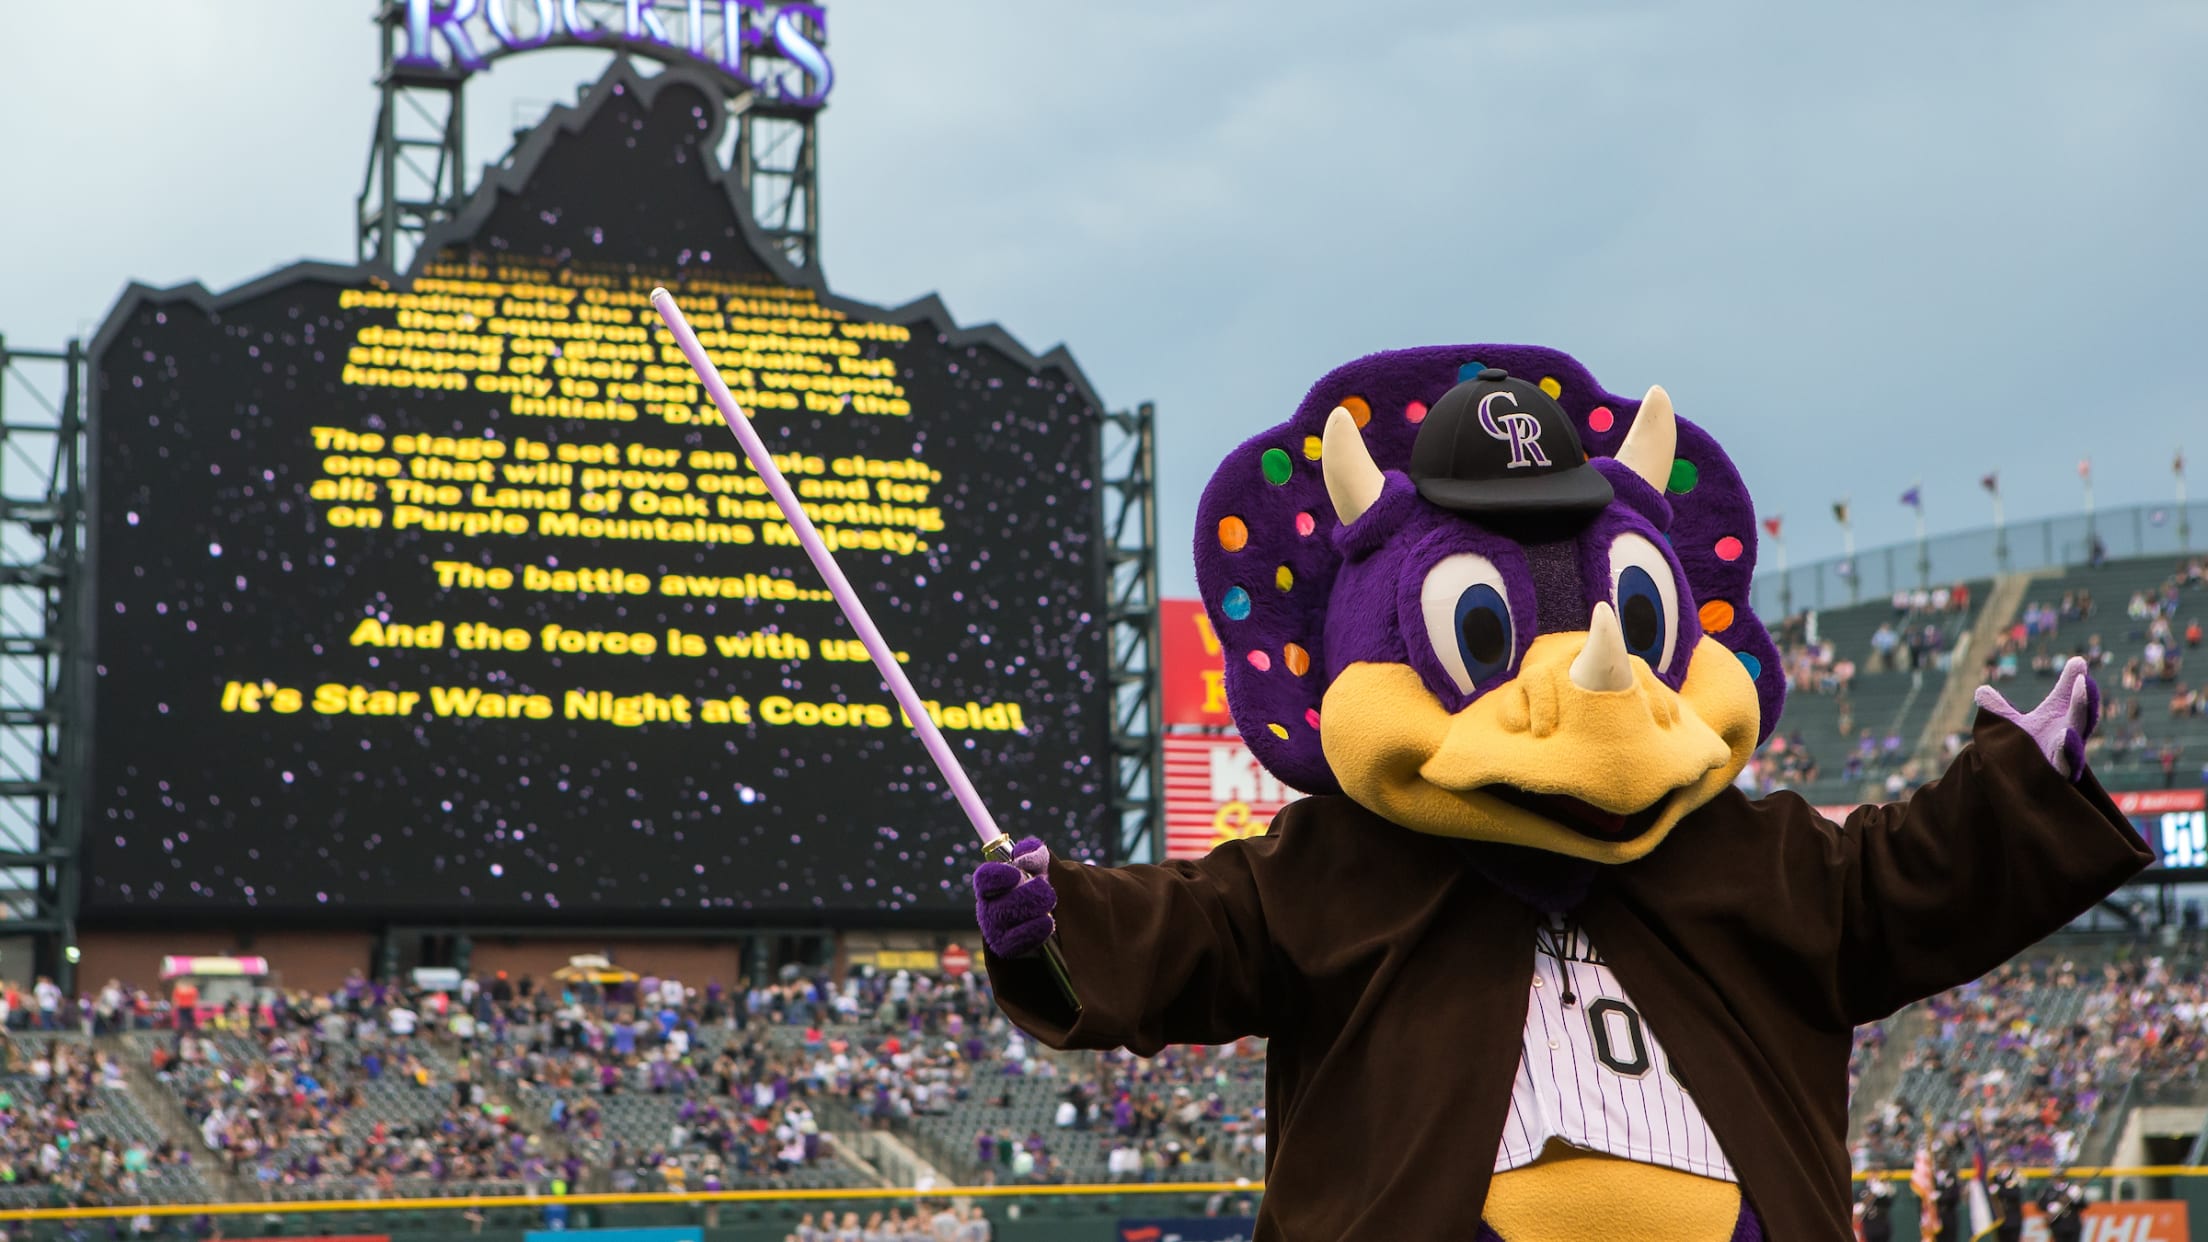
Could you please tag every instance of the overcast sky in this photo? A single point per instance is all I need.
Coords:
(1861, 242)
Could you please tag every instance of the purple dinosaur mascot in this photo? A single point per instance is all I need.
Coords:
(1531, 966)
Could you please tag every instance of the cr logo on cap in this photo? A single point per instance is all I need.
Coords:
(1521, 428)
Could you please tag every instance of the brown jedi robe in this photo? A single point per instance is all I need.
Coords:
(1392, 979)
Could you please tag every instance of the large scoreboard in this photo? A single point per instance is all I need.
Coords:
(2174, 823)
(450, 594)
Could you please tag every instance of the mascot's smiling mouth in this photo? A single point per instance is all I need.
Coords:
(1582, 817)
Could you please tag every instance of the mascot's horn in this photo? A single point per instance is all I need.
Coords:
(1353, 481)
(1649, 446)
(1603, 666)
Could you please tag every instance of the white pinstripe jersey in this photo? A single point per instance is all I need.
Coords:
(1592, 1075)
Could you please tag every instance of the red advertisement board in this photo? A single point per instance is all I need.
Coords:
(1215, 791)
(2159, 801)
(1192, 673)
(2143, 1220)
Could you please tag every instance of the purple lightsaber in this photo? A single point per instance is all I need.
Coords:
(995, 843)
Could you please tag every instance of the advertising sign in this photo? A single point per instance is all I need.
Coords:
(1215, 791)
(1192, 672)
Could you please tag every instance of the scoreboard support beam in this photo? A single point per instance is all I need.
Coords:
(777, 158)
(417, 170)
(1127, 493)
(44, 649)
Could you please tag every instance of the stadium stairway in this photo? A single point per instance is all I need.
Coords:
(1953, 709)
(1883, 1074)
(165, 1110)
(884, 1158)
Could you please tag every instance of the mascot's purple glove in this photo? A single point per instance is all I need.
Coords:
(1013, 901)
(2062, 722)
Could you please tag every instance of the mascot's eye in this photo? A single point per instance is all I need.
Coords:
(1647, 599)
(1467, 614)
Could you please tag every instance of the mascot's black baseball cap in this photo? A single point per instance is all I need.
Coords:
(1497, 445)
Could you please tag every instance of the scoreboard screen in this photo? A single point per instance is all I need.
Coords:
(451, 595)
(2173, 822)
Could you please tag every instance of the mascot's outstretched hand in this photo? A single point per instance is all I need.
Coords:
(1013, 901)
(2062, 722)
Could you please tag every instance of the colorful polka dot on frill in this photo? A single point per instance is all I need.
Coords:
(1279, 730)
(1260, 661)
(1236, 604)
(1728, 549)
(1600, 419)
(1684, 475)
(1296, 658)
(1305, 524)
(1276, 466)
(1751, 663)
(1312, 718)
(1717, 617)
(1284, 578)
(1359, 409)
(1415, 411)
(1234, 534)
(1552, 386)
(1312, 447)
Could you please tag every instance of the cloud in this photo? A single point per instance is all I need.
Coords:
(1863, 244)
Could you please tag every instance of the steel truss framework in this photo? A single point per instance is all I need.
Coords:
(417, 170)
(44, 664)
(1128, 445)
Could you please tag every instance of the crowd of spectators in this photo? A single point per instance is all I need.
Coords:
(1186, 1106)
(656, 1084)
(376, 1090)
(2142, 673)
(322, 1093)
(947, 1223)
(49, 1093)
(1918, 637)
(45, 1007)
(2023, 1060)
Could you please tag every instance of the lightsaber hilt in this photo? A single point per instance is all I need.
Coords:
(1000, 850)
(854, 609)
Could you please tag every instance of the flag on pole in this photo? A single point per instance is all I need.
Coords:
(1840, 512)
(2085, 467)
(1992, 483)
(1928, 1198)
(2177, 462)
(1982, 1220)
(1914, 498)
(1772, 524)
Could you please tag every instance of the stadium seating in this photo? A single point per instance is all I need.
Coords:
(1854, 717)
(103, 1145)
(2034, 1058)
(2132, 748)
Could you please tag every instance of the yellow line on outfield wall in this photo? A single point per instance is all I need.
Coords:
(458, 1203)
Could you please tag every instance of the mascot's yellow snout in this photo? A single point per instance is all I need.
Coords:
(1584, 753)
